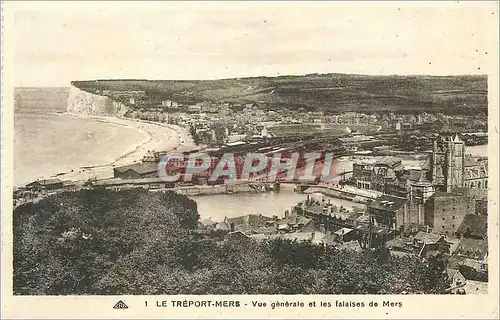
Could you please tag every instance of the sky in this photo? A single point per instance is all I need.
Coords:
(55, 43)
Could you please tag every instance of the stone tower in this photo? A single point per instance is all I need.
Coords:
(419, 192)
(448, 163)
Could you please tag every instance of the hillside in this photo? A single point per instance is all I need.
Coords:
(330, 92)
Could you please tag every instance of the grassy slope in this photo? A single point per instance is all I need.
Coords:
(336, 92)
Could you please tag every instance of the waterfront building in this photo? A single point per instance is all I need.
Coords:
(45, 185)
(136, 171)
(384, 175)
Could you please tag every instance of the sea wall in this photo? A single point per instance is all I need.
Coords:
(211, 190)
(90, 104)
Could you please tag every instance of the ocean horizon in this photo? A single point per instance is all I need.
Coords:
(47, 141)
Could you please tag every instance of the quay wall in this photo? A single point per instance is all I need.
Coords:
(350, 195)
(210, 190)
(90, 104)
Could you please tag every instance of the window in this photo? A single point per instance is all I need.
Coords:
(443, 218)
(442, 227)
(453, 226)
(453, 217)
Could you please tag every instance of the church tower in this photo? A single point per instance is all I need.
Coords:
(456, 153)
(448, 163)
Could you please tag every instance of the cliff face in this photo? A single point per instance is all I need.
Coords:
(82, 102)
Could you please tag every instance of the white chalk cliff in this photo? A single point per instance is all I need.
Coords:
(86, 103)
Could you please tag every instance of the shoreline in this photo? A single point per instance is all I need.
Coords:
(157, 136)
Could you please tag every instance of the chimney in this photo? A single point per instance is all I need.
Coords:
(287, 214)
(232, 226)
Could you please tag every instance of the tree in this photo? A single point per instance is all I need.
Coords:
(138, 242)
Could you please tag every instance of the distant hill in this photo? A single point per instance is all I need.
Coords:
(329, 92)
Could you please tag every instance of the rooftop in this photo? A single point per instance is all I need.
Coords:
(474, 225)
(387, 203)
(141, 168)
(469, 160)
(252, 220)
(295, 220)
(46, 182)
(472, 248)
(389, 161)
(427, 238)
(343, 231)
(367, 161)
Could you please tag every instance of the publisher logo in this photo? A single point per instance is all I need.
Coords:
(120, 305)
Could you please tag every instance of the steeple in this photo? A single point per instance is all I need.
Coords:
(456, 138)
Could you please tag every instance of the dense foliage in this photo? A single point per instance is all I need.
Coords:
(135, 242)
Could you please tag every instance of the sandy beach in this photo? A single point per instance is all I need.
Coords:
(157, 137)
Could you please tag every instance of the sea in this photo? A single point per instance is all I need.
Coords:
(47, 141)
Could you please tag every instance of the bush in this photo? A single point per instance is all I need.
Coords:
(135, 242)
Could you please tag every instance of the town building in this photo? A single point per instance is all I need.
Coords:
(136, 171)
(45, 185)
(475, 173)
(344, 235)
(418, 205)
(451, 167)
(388, 211)
(471, 257)
(295, 223)
(426, 244)
(194, 109)
(437, 196)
